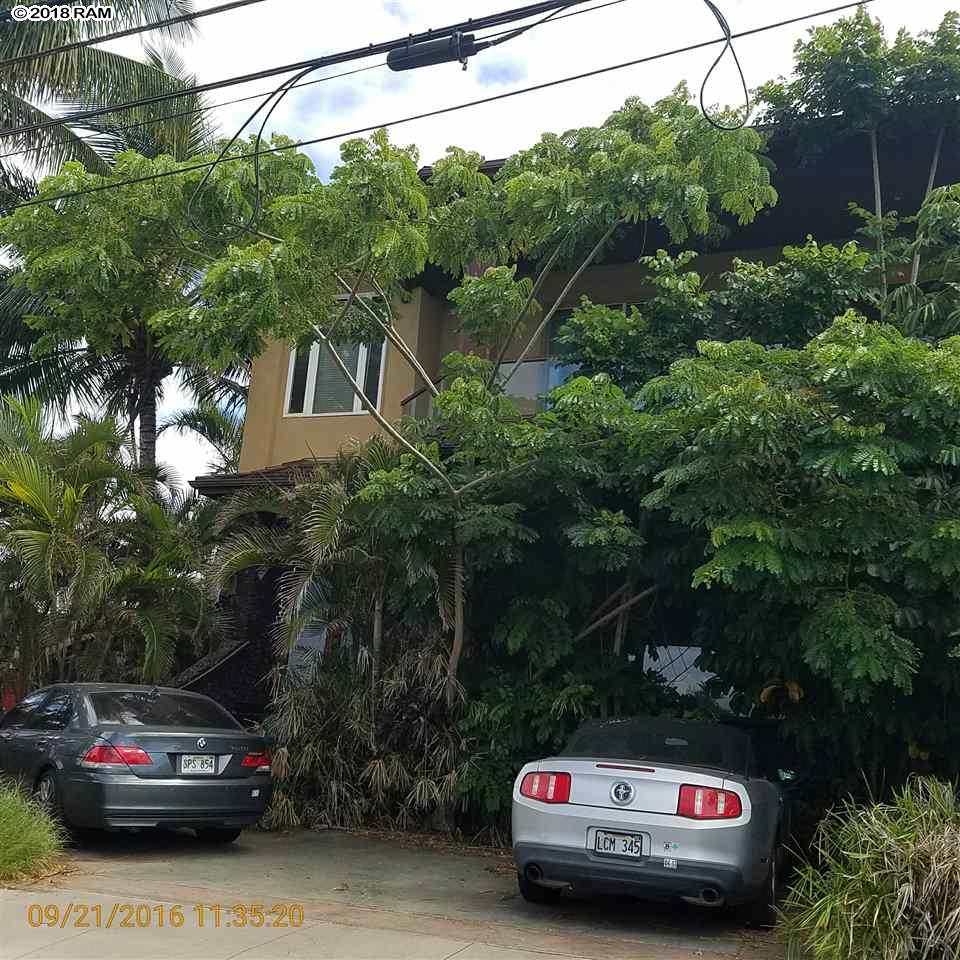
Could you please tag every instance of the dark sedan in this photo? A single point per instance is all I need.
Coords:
(112, 755)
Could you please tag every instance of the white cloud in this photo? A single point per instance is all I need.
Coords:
(287, 31)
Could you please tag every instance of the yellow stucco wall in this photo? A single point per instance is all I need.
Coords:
(271, 438)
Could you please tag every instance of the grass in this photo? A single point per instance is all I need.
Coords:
(30, 839)
(883, 882)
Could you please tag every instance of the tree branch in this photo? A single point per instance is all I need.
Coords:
(606, 603)
(375, 413)
(626, 605)
(931, 180)
(541, 278)
(497, 474)
(563, 294)
(390, 332)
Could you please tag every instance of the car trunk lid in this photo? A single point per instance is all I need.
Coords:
(623, 785)
(168, 747)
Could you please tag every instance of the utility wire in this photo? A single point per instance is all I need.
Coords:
(479, 23)
(110, 128)
(442, 110)
(279, 94)
(129, 32)
(728, 46)
(116, 128)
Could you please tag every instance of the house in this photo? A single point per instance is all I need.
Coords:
(300, 407)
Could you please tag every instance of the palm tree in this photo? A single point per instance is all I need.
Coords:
(220, 426)
(337, 564)
(70, 374)
(100, 569)
(41, 89)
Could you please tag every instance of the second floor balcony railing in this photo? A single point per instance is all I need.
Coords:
(528, 387)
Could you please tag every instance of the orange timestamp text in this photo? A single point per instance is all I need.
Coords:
(153, 916)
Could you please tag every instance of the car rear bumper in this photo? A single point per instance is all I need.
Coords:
(110, 800)
(648, 877)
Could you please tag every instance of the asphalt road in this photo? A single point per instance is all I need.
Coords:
(333, 895)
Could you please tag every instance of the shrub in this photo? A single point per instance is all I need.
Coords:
(340, 763)
(884, 881)
(30, 839)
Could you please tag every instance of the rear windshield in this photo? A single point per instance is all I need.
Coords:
(143, 708)
(665, 741)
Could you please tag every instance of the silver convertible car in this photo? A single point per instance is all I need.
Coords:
(117, 755)
(652, 807)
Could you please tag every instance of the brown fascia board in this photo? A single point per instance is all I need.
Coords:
(284, 475)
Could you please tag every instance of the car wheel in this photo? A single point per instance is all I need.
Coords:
(47, 793)
(535, 893)
(219, 834)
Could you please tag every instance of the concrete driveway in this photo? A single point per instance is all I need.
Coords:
(360, 896)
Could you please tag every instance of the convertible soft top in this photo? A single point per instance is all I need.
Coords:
(663, 740)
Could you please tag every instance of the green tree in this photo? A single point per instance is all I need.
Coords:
(101, 569)
(819, 490)
(785, 303)
(843, 85)
(376, 223)
(106, 270)
(926, 94)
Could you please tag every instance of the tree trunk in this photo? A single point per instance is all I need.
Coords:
(622, 624)
(597, 624)
(148, 427)
(377, 645)
(878, 211)
(931, 179)
(457, 648)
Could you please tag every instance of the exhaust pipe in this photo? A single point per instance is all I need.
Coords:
(707, 897)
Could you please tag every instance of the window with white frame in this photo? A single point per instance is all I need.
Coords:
(316, 386)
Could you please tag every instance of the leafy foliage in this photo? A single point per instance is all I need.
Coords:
(109, 273)
(882, 880)
(99, 567)
(30, 840)
(342, 762)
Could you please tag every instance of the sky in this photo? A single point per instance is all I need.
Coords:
(276, 32)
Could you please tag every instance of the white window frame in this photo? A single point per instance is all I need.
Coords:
(311, 383)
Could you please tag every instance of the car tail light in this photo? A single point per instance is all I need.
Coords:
(546, 787)
(705, 803)
(259, 761)
(107, 755)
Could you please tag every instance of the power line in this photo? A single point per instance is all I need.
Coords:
(129, 32)
(479, 23)
(117, 128)
(296, 86)
(279, 94)
(728, 46)
(442, 110)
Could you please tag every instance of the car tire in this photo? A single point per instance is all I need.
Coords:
(535, 893)
(47, 794)
(219, 834)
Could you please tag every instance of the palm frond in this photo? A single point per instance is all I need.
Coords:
(254, 548)
(227, 391)
(159, 634)
(54, 146)
(223, 430)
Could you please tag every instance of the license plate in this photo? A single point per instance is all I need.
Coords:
(198, 763)
(618, 844)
